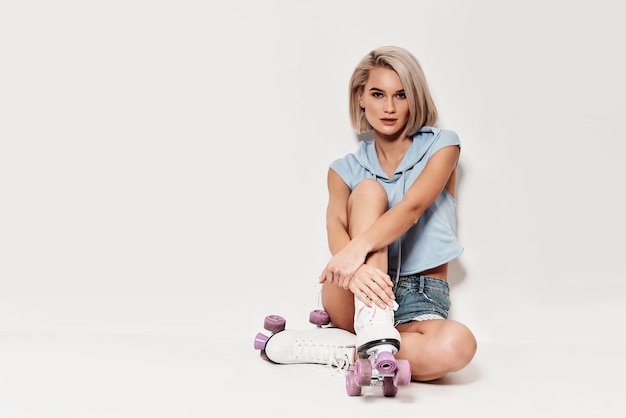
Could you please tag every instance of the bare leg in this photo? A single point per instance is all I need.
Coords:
(368, 201)
(436, 347)
(433, 348)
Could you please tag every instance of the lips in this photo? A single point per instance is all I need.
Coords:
(388, 121)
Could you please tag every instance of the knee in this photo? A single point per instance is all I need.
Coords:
(370, 191)
(459, 347)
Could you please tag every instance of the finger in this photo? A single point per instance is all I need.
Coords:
(365, 299)
(388, 280)
(389, 292)
(345, 283)
(331, 277)
(376, 295)
(384, 294)
(375, 298)
(384, 277)
(386, 285)
(383, 281)
(360, 291)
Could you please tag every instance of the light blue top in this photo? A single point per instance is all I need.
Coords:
(432, 241)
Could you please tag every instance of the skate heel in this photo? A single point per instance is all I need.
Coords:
(274, 324)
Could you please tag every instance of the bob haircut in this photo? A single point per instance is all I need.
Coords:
(422, 109)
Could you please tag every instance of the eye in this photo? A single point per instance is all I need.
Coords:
(377, 94)
(401, 95)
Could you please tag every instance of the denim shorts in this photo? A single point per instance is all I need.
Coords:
(420, 298)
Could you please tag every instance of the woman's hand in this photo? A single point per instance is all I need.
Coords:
(372, 285)
(343, 265)
(346, 269)
(368, 283)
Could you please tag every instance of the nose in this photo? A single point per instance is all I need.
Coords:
(389, 105)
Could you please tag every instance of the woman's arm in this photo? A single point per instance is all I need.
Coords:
(337, 212)
(398, 219)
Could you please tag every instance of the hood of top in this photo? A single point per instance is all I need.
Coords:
(422, 141)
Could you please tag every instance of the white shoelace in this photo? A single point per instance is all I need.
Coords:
(340, 364)
(334, 356)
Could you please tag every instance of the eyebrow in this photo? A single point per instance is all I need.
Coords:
(381, 90)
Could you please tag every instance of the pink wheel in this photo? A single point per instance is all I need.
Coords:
(259, 344)
(259, 341)
(386, 363)
(351, 387)
(274, 323)
(319, 317)
(389, 389)
(403, 374)
(363, 372)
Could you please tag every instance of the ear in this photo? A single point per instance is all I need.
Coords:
(360, 98)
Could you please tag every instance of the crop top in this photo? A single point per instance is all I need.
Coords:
(432, 241)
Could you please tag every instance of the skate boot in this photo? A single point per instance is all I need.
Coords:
(320, 345)
(377, 341)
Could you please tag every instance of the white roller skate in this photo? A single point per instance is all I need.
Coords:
(377, 341)
(321, 345)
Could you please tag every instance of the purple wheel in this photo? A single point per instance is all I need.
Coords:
(351, 387)
(403, 374)
(264, 356)
(259, 341)
(386, 363)
(274, 323)
(363, 372)
(319, 317)
(389, 389)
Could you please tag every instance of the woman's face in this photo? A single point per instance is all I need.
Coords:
(384, 101)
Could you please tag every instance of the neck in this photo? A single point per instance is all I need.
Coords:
(392, 151)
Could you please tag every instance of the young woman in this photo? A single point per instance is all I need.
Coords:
(391, 220)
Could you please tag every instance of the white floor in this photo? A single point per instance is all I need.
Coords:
(44, 376)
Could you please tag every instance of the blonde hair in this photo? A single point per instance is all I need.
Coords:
(422, 109)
